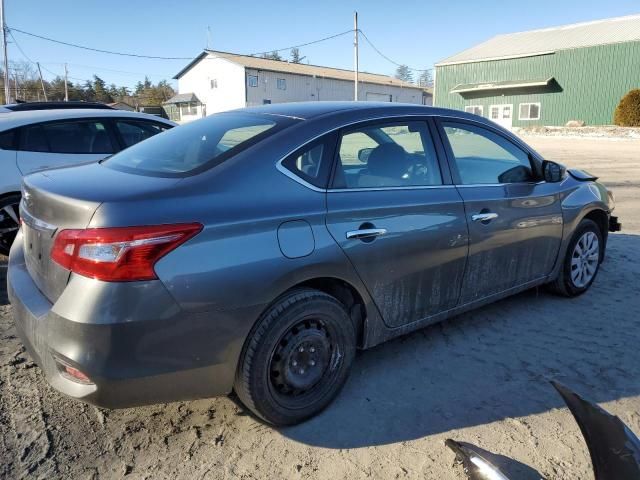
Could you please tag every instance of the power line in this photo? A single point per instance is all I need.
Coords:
(155, 57)
(15, 42)
(390, 60)
(302, 44)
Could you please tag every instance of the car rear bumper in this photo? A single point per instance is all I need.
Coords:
(131, 339)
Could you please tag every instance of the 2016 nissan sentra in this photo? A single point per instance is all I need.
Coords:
(255, 250)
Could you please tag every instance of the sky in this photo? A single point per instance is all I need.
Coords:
(415, 33)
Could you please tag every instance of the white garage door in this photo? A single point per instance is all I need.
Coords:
(379, 97)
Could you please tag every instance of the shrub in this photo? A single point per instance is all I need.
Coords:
(627, 112)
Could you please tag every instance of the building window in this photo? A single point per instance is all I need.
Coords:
(475, 109)
(173, 112)
(214, 83)
(252, 80)
(529, 111)
(494, 113)
(282, 84)
(189, 108)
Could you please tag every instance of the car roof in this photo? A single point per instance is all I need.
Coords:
(16, 119)
(310, 110)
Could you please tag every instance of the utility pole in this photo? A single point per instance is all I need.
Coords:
(7, 92)
(208, 37)
(355, 53)
(42, 83)
(66, 89)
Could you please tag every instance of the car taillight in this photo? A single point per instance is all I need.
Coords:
(119, 254)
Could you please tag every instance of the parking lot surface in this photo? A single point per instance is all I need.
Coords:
(480, 378)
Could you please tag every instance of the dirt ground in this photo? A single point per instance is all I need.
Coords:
(480, 378)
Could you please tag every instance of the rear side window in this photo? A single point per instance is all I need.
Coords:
(198, 145)
(77, 137)
(8, 140)
(33, 139)
(134, 132)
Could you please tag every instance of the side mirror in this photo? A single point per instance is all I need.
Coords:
(552, 172)
(363, 154)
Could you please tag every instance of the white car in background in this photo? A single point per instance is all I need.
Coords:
(38, 136)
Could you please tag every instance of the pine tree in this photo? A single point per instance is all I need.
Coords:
(425, 80)
(295, 55)
(272, 56)
(404, 73)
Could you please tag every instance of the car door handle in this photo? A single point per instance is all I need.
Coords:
(484, 217)
(366, 233)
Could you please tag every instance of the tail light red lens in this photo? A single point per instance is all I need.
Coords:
(120, 254)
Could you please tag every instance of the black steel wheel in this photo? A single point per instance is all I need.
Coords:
(9, 221)
(297, 357)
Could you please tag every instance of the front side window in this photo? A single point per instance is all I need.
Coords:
(252, 80)
(133, 132)
(196, 146)
(387, 155)
(79, 137)
(529, 111)
(8, 140)
(282, 84)
(484, 157)
(475, 109)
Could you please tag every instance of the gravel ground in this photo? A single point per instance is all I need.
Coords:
(479, 378)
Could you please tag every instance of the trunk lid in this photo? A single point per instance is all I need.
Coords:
(67, 198)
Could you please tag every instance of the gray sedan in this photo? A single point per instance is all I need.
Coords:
(256, 250)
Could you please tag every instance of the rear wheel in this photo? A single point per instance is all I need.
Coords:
(582, 260)
(297, 357)
(9, 221)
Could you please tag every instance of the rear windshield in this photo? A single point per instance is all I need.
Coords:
(196, 146)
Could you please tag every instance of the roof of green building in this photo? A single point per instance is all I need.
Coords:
(549, 40)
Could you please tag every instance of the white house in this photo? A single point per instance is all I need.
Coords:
(218, 81)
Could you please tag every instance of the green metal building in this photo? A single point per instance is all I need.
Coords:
(545, 77)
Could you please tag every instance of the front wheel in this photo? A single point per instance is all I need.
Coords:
(582, 260)
(297, 358)
(9, 221)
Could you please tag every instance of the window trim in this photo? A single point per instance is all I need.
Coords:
(284, 83)
(529, 105)
(534, 159)
(249, 83)
(481, 107)
(433, 120)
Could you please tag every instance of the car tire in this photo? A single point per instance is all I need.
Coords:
(9, 212)
(297, 357)
(570, 282)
